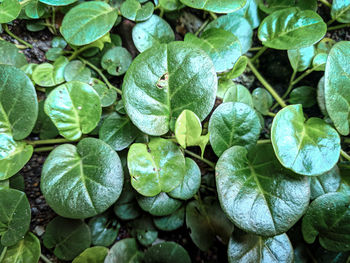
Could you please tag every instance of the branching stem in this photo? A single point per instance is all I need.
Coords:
(16, 37)
(211, 164)
(345, 155)
(338, 27)
(45, 259)
(260, 52)
(50, 141)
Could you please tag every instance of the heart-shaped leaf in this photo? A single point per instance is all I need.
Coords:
(50, 75)
(92, 255)
(165, 80)
(159, 205)
(133, 10)
(257, 194)
(238, 93)
(171, 222)
(217, 6)
(9, 10)
(104, 230)
(82, 181)
(167, 252)
(10, 55)
(125, 250)
(309, 148)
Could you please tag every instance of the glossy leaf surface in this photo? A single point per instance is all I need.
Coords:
(167, 252)
(9, 10)
(92, 255)
(133, 10)
(159, 205)
(217, 6)
(125, 250)
(10, 55)
(325, 183)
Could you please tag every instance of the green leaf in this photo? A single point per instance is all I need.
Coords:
(167, 252)
(171, 222)
(125, 250)
(159, 205)
(304, 95)
(244, 247)
(67, 237)
(250, 12)
(9, 10)
(337, 86)
(341, 11)
(233, 123)
(190, 184)
(291, 28)
(238, 93)
(216, 6)
(133, 10)
(17, 182)
(107, 96)
(257, 194)
(10, 55)
(325, 183)
(301, 59)
(321, 100)
(319, 62)
(270, 6)
(152, 32)
(58, 42)
(87, 22)
(262, 100)
(144, 230)
(237, 25)
(309, 148)
(44, 126)
(18, 103)
(58, 2)
(206, 221)
(116, 61)
(14, 216)
(328, 217)
(74, 108)
(170, 5)
(104, 230)
(76, 70)
(54, 53)
(165, 80)
(34, 9)
(26, 250)
(92, 255)
(239, 68)
(155, 167)
(82, 181)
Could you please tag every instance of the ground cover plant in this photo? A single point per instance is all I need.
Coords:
(226, 122)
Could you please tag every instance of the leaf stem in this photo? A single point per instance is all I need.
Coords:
(264, 141)
(16, 37)
(18, 46)
(205, 23)
(266, 85)
(77, 52)
(338, 27)
(213, 15)
(45, 259)
(271, 114)
(305, 74)
(54, 20)
(44, 149)
(211, 164)
(260, 52)
(346, 140)
(255, 49)
(3, 254)
(50, 141)
(345, 155)
(326, 3)
(99, 72)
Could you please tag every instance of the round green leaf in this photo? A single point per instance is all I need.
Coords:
(188, 129)
(262, 100)
(9, 10)
(304, 95)
(171, 222)
(233, 123)
(67, 237)
(337, 86)
(14, 216)
(341, 11)
(190, 184)
(116, 61)
(44, 126)
(328, 217)
(107, 96)
(244, 247)
(325, 183)
(92, 255)
(104, 230)
(144, 230)
(26, 250)
(222, 47)
(10, 55)
(76, 70)
(217, 6)
(309, 148)
(257, 194)
(170, 5)
(48, 75)
(250, 12)
(319, 62)
(74, 108)
(238, 93)
(125, 250)
(159, 205)
(133, 10)
(239, 68)
(165, 80)
(87, 22)
(291, 28)
(54, 53)
(155, 167)
(18, 103)
(167, 252)
(34, 9)
(82, 181)
(58, 2)
(152, 32)
(270, 6)
(301, 59)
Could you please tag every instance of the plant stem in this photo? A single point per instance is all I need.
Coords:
(271, 114)
(50, 141)
(326, 3)
(44, 149)
(338, 27)
(3, 254)
(305, 74)
(24, 3)
(346, 140)
(345, 155)
(211, 164)
(330, 22)
(77, 52)
(264, 141)
(260, 52)
(213, 15)
(201, 27)
(45, 259)
(16, 37)
(161, 13)
(266, 85)
(99, 72)
(255, 49)
(54, 20)
(18, 46)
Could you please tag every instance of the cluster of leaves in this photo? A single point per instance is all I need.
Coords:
(124, 153)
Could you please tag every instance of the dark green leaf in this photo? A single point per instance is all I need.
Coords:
(167, 252)
(104, 230)
(144, 230)
(304, 95)
(125, 250)
(171, 222)
(10, 55)
(325, 183)
(159, 205)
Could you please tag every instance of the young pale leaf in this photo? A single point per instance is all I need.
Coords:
(206, 221)
(125, 250)
(291, 28)
(18, 103)
(328, 217)
(159, 205)
(87, 22)
(67, 237)
(244, 247)
(216, 6)
(152, 32)
(92, 255)
(238, 68)
(165, 80)
(301, 59)
(341, 11)
(9, 10)
(74, 108)
(233, 123)
(308, 148)
(26, 250)
(48, 75)
(77, 70)
(158, 166)
(133, 10)
(58, 2)
(167, 252)
(257, 194)
(104, 230)
(238, 93)
(262, 100)
(10, 55)
(170, 222)
(304, 95)
(82, 181)
(144, 230)
(190, 184)
(237, 25)
(14, 216)
(325, 183)
(337, 86)
(116, 61)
